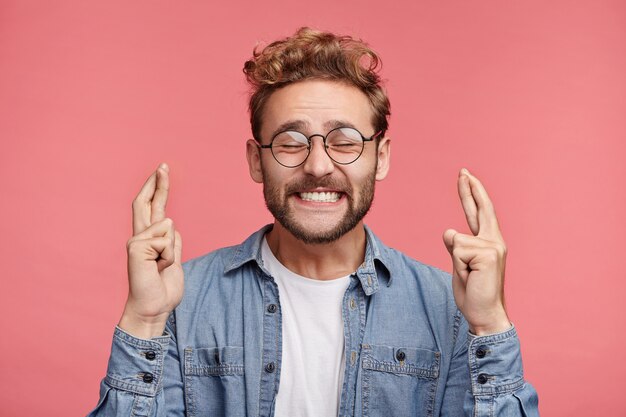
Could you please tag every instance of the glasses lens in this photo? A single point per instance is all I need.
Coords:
(290, 148)
(344, 145)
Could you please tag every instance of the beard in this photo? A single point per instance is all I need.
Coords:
(278, 204)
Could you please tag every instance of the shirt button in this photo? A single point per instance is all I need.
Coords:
(352, 304)
(147, 377)
(270, 367)
(400, 355)
(272, 308)
(481, 352)
(482, 379)
(150, 355)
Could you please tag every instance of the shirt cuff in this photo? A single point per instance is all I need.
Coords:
(136, 365)
(495, 363)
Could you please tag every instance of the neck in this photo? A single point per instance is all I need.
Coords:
(319, 261)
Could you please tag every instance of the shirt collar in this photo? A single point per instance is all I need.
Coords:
(367, 273)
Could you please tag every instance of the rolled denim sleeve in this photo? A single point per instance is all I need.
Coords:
(136, 365)
(143, 378)
(497, 377)
(486, 377)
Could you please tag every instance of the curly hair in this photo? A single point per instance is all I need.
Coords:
(312, 54)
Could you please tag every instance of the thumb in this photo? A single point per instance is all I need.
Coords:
(448, 239)
(178, 247)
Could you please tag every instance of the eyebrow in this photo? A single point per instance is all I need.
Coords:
(298, 125)
(332, 124)
(302, 126)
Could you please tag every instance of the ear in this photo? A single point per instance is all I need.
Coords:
(384, 153)
(253, 153)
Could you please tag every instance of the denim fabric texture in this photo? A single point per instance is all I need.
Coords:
(407, 346)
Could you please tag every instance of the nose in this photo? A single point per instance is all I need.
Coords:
(318, 163)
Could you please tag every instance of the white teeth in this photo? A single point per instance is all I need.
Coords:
(327, 197)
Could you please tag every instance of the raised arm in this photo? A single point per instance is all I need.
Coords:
(143, 375)
(491, 350)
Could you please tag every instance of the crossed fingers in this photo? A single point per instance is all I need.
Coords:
(478, 260)
(149, 205)
(479, 213)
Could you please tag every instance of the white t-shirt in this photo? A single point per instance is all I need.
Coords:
(313, 364)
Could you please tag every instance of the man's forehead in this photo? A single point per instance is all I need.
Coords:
(314, 105)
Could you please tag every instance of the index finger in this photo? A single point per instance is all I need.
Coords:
(141, 205)
(468, 203)
(159, 201)
(487, 220)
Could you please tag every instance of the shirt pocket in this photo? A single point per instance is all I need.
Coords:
(214, 381)
(399, 381)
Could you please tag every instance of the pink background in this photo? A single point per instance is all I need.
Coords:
(530, 96)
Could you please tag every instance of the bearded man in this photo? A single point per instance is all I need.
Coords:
(313, 315)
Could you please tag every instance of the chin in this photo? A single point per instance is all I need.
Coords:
(318, 235)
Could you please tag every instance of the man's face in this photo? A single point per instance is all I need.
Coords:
(318, 201)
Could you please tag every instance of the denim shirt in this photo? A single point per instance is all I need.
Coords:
(407, 346)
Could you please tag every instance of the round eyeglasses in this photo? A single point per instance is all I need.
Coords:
(343, 145)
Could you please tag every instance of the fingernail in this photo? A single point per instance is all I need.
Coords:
(465, 171)
(164, 167)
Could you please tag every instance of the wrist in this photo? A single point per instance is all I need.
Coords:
(142, 327)
(498, 324)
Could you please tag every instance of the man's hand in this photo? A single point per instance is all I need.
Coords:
(478, 261)
(155, 274)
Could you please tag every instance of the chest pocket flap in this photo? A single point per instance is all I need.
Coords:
(214, 361)
(402, 360)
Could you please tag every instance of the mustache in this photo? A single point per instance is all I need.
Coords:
(308, 183)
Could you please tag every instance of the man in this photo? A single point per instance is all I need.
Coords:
(313, 315)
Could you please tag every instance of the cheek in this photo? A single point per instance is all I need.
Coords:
(273, 176)
(363, 175)
(267, 170)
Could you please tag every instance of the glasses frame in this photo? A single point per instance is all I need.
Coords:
(365, 139)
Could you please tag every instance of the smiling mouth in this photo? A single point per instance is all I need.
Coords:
(320, 197)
